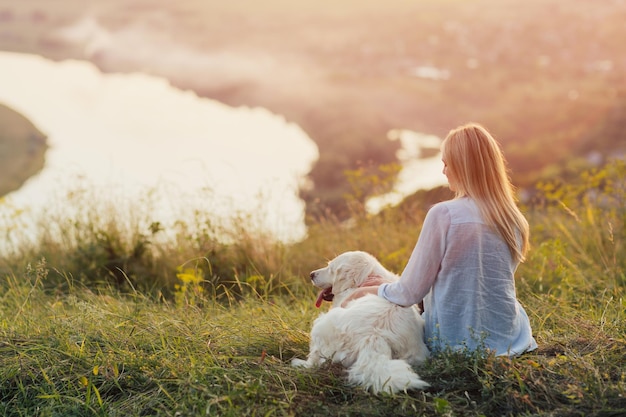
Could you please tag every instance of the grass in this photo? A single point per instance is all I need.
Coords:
(219, 341)
(87, 353)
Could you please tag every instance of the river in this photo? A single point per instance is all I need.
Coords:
(128, 133)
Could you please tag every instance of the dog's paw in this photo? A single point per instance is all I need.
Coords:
(299, 363)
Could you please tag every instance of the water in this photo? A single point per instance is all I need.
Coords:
(125, 133)
(419, 172)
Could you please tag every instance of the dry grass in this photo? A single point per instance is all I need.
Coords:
(221, 345)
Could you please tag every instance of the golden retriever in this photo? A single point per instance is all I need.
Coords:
(377, 341)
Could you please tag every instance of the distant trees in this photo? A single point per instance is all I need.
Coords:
(22, 149)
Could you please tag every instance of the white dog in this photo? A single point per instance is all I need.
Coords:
(377, 341)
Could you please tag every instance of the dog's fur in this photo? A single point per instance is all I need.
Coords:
(377, 341)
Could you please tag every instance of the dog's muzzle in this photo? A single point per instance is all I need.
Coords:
(324, 295)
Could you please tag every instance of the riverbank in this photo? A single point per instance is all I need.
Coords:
(22, 150)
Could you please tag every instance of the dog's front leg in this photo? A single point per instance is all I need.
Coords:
(323, 342)
(299, 363)
(313, 359)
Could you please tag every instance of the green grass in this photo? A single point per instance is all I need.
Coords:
(85, 353)
(220, 339)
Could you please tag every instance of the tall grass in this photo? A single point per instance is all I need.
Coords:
(579, 231)
(130, 244)
(206, 326)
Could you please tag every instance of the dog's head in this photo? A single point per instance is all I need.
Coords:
(346, 272)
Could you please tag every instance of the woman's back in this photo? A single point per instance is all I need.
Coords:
(473, 299)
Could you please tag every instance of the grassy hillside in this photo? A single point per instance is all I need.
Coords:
(103, 316)
(22, 149)
(99, 354)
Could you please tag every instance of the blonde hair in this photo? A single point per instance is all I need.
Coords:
(475, 160)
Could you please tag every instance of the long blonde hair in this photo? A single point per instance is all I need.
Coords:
(475, 160)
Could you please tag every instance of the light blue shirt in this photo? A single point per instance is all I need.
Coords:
(464, 273)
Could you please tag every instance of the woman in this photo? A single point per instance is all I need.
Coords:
(463, 264)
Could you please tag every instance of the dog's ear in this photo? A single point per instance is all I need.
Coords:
(344, 279)
(352, 273)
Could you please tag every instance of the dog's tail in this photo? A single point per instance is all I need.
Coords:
(375, 371)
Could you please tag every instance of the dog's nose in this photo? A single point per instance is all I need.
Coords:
(312, 275)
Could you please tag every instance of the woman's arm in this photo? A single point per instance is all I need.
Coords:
(421, 271)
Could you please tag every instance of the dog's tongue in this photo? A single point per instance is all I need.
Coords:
(326, 294)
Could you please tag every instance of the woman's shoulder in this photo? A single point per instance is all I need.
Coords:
(442, 210)
(458, 209)
(460, 203)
